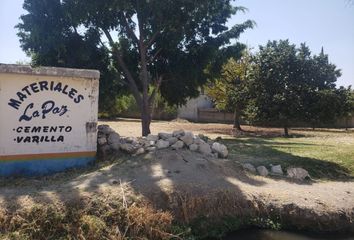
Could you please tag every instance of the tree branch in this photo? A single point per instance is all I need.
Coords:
(131, 82)
(152, 39)
(130, 30)
(109, 37)
(153, 57)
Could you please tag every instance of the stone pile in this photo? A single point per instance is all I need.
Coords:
(108, 140)
(276, 170)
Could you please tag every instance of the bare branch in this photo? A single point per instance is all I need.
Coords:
(130, 30)
(131, 82)
(109, 37)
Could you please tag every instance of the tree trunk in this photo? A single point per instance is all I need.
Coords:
(145, 118)
(286, 131)
(145, 108)
(237, 124)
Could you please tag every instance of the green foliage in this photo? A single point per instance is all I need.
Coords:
(230, 90)
(266, 223)
(346, 100)
(288, 85)
(205, 228)
(275, 83)
(126, 104)
(176, 40)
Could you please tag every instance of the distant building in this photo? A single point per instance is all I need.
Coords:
(189, 111)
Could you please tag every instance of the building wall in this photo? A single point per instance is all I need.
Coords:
(214, 115)
(50, 124)
(190, 110)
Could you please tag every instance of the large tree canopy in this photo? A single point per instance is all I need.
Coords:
(288, 84)
(149, 45)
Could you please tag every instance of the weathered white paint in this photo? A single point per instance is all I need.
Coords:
(80, 117)
(190, 109)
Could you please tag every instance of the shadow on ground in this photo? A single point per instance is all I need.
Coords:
(195, 188)
(260, 151)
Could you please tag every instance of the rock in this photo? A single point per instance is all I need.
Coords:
(140, 151)
(104, 150)
(114, 181)
(203, 137)
(221, 149)
(148, 143)
(101, 141)
(115, 146)
(205, 149)
(151, 149)
(262, 170)
(276, 169)
(165, 136)
(151, 137)
(105, 129)
(188, 138)
(172, 140)
(298, 173)
(178, 145)
(178, 133)
(193, 147)
(160, 144)
(210, 142)
(113, 138)
(128, 148)
(249, 167)
(130, 140)
(198, 141)
(101, 135)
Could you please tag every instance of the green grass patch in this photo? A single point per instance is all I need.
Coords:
(326, 155)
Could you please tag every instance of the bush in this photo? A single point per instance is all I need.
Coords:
(125, 106)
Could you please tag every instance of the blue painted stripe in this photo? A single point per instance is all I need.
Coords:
(42, 166)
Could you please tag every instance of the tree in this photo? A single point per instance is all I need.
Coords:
(276, 84)
(290, 85)
(153, 45)
(320, 98)
(345, 108)
(229, 90)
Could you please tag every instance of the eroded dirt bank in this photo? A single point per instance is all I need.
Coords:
(192, 187)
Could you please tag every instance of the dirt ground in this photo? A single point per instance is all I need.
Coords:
(186, 183)
(132, 128)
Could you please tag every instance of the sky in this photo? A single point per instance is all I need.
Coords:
(319, 23)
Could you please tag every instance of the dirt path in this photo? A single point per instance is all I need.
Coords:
(190, 184)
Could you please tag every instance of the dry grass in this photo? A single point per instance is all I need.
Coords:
(97, 220)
